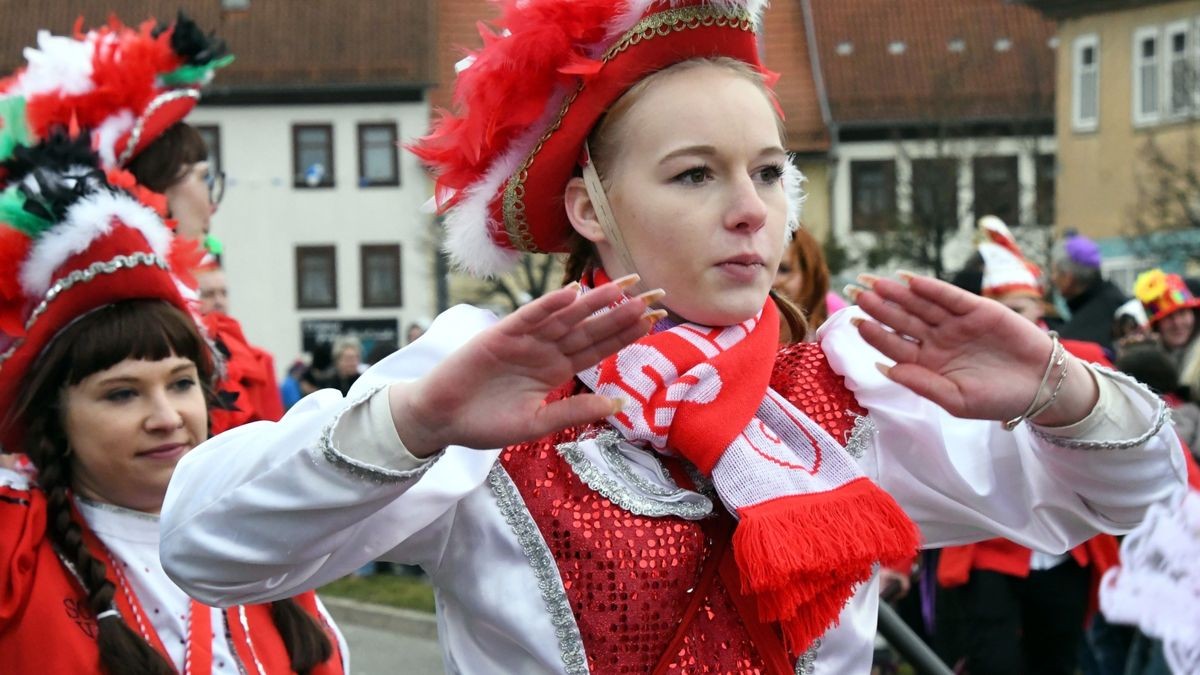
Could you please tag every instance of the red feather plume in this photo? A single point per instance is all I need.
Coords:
(185, 256)
(511, 81)
(14, 248)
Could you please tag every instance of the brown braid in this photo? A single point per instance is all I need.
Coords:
(122, 651)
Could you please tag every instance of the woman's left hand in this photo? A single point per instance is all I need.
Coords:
(973, 356)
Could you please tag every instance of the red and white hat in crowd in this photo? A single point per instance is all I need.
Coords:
(526, 101)
(1163, 294)
(124, 85)
(70, 243)
(1006, 271)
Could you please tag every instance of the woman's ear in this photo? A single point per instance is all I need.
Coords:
(581, 212)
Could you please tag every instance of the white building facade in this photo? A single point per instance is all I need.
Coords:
(321, 221)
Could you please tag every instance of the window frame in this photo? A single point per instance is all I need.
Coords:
(394, 129)
(1013, 218)
(298, 181)
(394, 250)
(328, 251)
(1078, 122)
(882, 219)
(1170, 30)
(1140, 35)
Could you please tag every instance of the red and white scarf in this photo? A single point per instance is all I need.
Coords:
(811, 525)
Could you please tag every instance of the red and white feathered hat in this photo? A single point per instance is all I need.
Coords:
(1006, 271)
(70, 243)
(526, 102)
(124, 85)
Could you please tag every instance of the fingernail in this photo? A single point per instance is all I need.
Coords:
(885, 369)
(867, 280)
(618, 404)
(905, 275)
(627, 280)
(655, 315)
(574, 285)
(856, 321)
(851, 291)
(651, 297)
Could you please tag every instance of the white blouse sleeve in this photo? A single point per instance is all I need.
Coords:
(272, 509)
(966, 480)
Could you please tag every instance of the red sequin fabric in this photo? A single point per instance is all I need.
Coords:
(629, 578)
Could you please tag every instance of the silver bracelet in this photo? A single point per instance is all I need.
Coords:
(1061, 364)
(1161, 417)
(1056, 352)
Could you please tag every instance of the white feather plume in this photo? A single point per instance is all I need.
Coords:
(87, 220)
(57, 64)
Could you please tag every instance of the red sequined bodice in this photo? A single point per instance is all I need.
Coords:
(630, 578)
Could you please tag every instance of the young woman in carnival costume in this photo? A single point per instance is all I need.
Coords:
(131, 88)
(728, 513)
(105, 382)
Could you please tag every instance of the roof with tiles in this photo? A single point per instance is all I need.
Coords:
(279, 44)
(786, 50)
(889, 62)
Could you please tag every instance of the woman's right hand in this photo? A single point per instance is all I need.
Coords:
(491, 392)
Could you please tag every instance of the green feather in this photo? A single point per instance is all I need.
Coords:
(194, 74)
(14, 129)
(12, 212)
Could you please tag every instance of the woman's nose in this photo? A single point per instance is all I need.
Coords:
(747, 210)
(163, 414)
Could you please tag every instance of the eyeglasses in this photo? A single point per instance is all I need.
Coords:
(216, 186)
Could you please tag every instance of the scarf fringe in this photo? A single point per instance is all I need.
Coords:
(802, 556)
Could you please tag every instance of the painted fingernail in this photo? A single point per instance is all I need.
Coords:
(655, 315)
(627, 280)
(651, 297)
(574, 285)
(856, 321)
(618, 404)
(867, 280)
(852, 292)
(885, 369)
(906, 276)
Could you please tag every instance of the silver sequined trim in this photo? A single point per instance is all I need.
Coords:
(603, 483)
(1162, 416)
(81, 276)
(359, 469)
(570, 642)
(808, 660)
(139, 126)
(861, 436)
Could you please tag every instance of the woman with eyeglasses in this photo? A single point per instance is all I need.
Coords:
(176, 166)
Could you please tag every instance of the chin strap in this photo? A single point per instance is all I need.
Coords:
(604, 215)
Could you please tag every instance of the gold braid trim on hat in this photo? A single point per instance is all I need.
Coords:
(660, 24)
(85, 275)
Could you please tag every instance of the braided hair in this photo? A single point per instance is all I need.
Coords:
(137, 329)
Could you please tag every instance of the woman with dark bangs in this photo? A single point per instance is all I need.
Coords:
(106, 382)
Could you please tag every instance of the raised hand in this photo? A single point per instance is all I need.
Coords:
(973, 356)
(490, 393)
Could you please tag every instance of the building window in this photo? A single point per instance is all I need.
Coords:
(316, 277)
(935, 193)
(378, 160)
(312, 155)
(1146, 61)
(997, 191)
(1085, 94)
(211, 134)
(872, 194)
(1045, 169)
(380, 265)
(1181, 71)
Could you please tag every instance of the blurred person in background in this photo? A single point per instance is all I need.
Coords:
(803, 278)
(1172, 310)
(1091, 299)
(1011, 609)
(347, 356)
